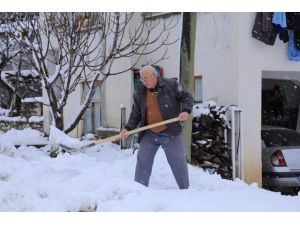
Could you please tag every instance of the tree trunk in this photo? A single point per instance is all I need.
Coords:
(59, 120)
(187, 69)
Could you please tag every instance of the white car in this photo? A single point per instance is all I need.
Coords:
(280, 159)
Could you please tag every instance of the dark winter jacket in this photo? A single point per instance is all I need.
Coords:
(263, 28)
(172, 99)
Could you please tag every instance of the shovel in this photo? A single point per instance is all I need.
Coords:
(117, 137)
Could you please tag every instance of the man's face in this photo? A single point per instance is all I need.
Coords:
(148, 78)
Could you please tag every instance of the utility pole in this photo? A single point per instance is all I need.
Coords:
(187, 55)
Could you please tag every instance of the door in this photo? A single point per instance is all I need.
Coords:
(92, 116)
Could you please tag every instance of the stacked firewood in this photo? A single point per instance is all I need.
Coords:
(209, 149)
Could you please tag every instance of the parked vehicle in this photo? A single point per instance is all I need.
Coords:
(280, 159)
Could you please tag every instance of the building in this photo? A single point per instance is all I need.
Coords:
(230, 66)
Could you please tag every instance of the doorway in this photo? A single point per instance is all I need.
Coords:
(280, 99)
(92, 116)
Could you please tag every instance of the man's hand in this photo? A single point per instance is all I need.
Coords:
(183, 116)
(123, 134)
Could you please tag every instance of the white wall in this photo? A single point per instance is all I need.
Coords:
(216, 56)
(171, 62)
(255, 57)
(71, 109)
(119, 89)
(231, 63)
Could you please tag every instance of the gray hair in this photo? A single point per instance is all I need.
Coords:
(151, 68)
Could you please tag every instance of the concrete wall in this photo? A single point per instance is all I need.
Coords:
(6, 125)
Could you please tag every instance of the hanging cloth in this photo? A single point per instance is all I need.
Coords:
(263, 29)
(293, 53)
(279, 18)
(280, 26)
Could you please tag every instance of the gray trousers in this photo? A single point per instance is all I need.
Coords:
(174, 150)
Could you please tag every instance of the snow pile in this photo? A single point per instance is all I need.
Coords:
(58, 137)
(4, 112)
(28, 136)
(101, 179)
(203, 108)
(35, 119)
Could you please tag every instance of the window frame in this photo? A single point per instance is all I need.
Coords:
(198, 77)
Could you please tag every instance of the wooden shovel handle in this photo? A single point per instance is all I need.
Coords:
(116, 137)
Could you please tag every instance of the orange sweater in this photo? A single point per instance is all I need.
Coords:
(153, 112)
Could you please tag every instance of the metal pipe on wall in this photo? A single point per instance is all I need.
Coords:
(233, 159)
(237, 155)
(123, 122)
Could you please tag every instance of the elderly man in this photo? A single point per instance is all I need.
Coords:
(160, 99)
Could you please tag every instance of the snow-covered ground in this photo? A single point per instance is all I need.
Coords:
(101, 179)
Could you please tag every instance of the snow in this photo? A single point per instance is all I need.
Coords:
(200, 109)
(13, 119)
(58, 137)
(101, 179)
(4, 112)
(32, 119)
(28, 136)
(32, 99)
(108, 129)
(35, 119)
(24, 73)
(54, 76)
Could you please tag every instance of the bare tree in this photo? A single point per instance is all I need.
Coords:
(11, 52)
(85, 47)
(9, 48)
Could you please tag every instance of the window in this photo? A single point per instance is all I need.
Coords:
(157, 15)
(92, 116)
(198, 89)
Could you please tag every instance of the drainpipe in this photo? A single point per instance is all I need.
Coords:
(233, 159)
(242, 175)
(237, 155)
(123, 122)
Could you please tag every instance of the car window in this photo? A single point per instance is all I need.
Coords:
(280, 137)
